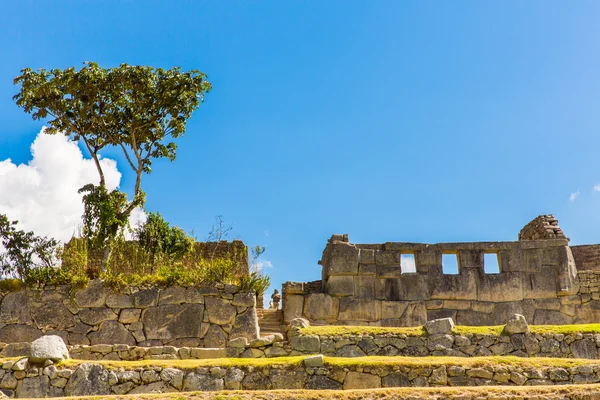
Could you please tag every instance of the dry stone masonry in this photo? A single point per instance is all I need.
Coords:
(19, 379)
(176, 316)
(540, 276)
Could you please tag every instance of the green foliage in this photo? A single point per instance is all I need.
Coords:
(157, 237)
(255, 282)
(103, 218)
(54, 276)
(24, 251)
(138, 109)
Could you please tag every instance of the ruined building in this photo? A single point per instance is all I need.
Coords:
(539, 276)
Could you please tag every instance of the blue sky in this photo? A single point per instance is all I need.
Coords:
(386, 120)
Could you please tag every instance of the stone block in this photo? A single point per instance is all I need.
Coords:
(474, 318)
(548, 304)
(463, 286)
(220, 311)
(15, 308)
(360, 380)
(112, 332)
(367, 256)
(46, 348)
(439, 326)
(367, 269)
(387, 288)
(388, 271)
(541, 285)
(294, 287)
(428, 258)
(119, 300)
(172, 295)
(414, 287)
(53, 316)
(173, 321)
(245, 325)
(505, 286)
(94, 295)
(343, 259)
(320, 306)
(364, 286)
(415, 314)
(551, 317)
(516, 324)
(387, 258)
(457, 304)
(293, 305)
(470, 259)
(340, 286)
(94, 316)
(357, 309)
(393, 309)
(129, 315)
(441, 313)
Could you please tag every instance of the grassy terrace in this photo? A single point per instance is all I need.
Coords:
(338, 330)
(536, 362)
(463, 393)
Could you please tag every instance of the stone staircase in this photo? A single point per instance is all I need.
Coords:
(270, 322)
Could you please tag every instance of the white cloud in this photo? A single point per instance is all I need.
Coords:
(407, 263)
(261, 265)
(42, 194)
(573, 196)
(597, 188)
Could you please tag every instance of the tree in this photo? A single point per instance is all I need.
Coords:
(24, 251)
(138, 109)
(158, 237)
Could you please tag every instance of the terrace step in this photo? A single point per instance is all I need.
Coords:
(270, 321)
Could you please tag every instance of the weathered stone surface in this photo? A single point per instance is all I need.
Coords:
(359, 380)
(15, 308)
(129, 315)
(220, 311)
(87, 380)
(287, 379)
(244, 299)
(516, 324)
(194, 381)
(172, 295)
(215, 337)
(53, 316)
(46, 348)
(292, 307)
(357, 309)
(314, 361)
(173, 321)
(306, 343)
(584, 348)
(245, 325)
(145, 298)
(439, 326)
(119, 300)
(35, 387)
(343, 260)
(319, 306)
(320, 382)
(395, 379)
(24, 333)
(94, 316)
(92, 296)
(340, 286)
(112, 332)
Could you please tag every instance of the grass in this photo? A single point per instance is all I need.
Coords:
(371, 361)
(340, 330)
(463, 393)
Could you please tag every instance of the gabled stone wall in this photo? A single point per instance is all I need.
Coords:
(366, 284)
(175, 316)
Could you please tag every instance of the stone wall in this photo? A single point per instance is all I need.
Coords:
(557, 345)
(17, 379)
(176, 316)
(542, 227)
(366, 284)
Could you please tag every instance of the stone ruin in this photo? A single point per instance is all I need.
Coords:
(540, 276)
